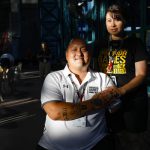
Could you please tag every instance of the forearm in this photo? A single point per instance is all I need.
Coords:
(135, 82)
(70, 111)
(140, 76)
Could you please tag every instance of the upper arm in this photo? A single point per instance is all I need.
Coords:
(51, 90)
(141, 68)
(105, 81)
(51, 95)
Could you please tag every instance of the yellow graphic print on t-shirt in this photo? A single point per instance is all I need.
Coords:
(119, 64)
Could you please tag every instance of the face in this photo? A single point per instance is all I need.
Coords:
(42, 45)
(77, 54)
(114, 24)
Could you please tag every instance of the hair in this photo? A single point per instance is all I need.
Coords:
(89, 48)
(77, 38)
(45, 45)
(118, 10)
(73, 39)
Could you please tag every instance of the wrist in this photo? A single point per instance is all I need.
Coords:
(122, 90)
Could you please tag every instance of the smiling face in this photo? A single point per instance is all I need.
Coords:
(77, 55)
(114, 24)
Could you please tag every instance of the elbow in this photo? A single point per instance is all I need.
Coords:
(142, 76)
(54, 116)
(52, 112)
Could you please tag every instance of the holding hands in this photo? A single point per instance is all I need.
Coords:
(108, 95)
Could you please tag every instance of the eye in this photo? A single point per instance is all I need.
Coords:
(73, 49)
(84, 49)
(118, 19)
(109, 20)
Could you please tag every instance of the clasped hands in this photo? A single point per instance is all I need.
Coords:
(108, 95)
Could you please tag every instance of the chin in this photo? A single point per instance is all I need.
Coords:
(79, 65)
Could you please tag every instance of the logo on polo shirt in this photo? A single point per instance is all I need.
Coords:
(65, 86)
(93, 89)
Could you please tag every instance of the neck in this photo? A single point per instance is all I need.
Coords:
(79, 73)
(118, 37)
(81, 77)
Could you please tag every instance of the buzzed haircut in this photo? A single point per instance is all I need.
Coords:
(74, 39)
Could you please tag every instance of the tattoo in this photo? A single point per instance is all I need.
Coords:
(97, 102)
(65, 116)
(83, 107)
(77, 110)
(114, 94)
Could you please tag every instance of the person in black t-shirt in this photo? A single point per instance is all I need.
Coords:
(124, 58)
(44, 58)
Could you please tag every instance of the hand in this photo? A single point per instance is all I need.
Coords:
(108, 95)
(116, 92)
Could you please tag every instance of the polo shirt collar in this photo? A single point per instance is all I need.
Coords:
(66, 71)
(90, 75)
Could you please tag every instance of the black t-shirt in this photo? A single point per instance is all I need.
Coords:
(124, 54)
(44, 56)
(133, 113)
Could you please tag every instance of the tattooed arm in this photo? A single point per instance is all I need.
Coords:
(69, 111)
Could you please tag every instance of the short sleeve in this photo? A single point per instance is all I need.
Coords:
(51, 89)
(140, 50)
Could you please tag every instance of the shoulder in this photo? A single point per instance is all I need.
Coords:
(103, 79)
(137, 48)
(135, 44)
(100, 75)
(57, 75)
(134, 39)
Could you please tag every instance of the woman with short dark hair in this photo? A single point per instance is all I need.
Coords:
(124, 59)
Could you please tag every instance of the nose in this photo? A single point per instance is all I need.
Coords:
(113, 23)
(79, 52)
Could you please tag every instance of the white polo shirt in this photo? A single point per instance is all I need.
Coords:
(77, 134)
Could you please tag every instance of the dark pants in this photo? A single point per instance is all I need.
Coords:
(40, 148)
(107, 143)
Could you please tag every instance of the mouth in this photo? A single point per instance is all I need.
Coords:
(81, 58)
(114, 29)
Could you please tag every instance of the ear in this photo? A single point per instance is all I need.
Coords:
(66, 55)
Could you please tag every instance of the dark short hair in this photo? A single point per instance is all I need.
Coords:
(88, 47)
(76, 38)
(119, 10)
